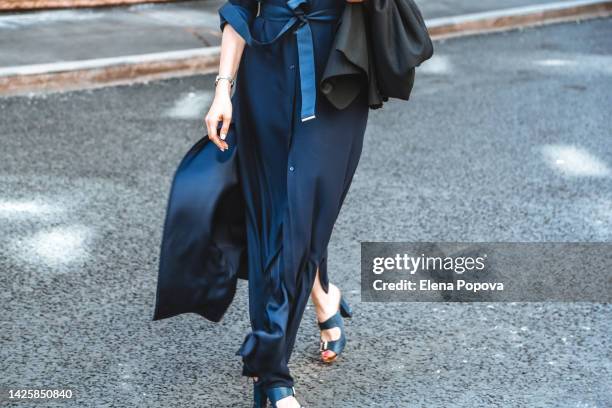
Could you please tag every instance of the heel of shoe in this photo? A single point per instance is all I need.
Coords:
(345, 309)
(260, 399)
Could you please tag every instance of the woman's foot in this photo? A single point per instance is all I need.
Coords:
(326, 306)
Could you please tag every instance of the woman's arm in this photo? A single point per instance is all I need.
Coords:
(232, 46)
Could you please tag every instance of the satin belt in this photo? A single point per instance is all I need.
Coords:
(294, 15)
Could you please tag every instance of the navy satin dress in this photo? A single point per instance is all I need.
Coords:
(265, 208)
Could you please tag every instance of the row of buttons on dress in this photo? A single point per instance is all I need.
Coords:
(291, 168)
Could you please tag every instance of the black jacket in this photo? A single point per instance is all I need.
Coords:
(379, 42)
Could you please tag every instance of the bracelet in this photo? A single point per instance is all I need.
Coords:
(229, 78)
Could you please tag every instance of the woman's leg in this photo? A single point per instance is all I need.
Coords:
(275, 318)
(326, 305)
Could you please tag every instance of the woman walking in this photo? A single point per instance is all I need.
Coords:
(297, 156)
(261, 200)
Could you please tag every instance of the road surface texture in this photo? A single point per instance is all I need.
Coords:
(507, 138)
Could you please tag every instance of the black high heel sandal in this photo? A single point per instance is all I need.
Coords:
(335, 321)
(278, 393)
(260, 399)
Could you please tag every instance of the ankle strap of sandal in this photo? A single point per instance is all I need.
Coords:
(334, 321)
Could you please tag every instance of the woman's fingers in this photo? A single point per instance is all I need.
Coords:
(225, 128)
(211, 126)
(221, 110)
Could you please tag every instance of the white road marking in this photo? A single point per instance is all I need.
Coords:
(55, 247)
(572, 64)
(12, 208)
(436, 65)
(574, 161)
(554, 62)
(190, 106)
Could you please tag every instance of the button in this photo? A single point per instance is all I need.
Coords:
(292, 67)
(291, 168)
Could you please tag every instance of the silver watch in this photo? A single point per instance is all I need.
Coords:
(229, 78)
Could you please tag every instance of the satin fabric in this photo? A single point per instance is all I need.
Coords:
(203, 251)
(293, 177)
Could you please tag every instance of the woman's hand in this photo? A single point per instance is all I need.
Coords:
(220, 110)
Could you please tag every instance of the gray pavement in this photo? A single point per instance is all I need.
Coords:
(71, 35)
(507, 138)
(81, 34)
(448, 8)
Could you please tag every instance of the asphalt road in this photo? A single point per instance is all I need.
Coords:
(507, 138)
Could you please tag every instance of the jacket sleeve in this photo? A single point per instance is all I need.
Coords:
(239, 14)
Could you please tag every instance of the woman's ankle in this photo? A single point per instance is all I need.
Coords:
(326, 304)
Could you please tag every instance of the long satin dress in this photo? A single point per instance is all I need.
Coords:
(296, 169)
(296, 156)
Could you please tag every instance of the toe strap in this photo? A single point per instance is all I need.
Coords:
(335, 345)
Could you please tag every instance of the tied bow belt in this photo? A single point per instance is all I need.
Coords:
(293, 16)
